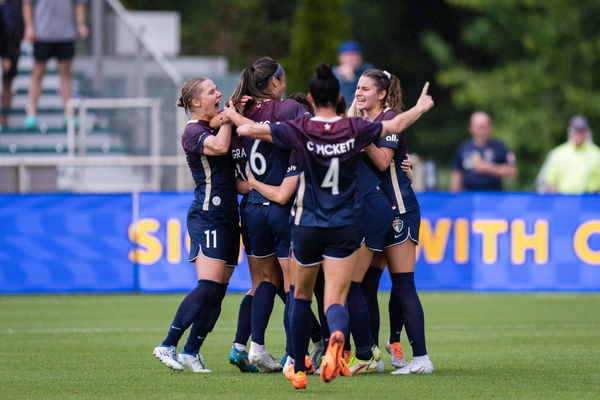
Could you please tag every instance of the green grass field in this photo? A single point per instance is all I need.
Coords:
(482, 346)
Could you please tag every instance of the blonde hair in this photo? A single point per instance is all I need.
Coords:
(189, 91)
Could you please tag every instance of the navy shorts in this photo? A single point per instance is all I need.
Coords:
(404, 226)
(43, 51)
(215, 234)
(268, 230)
(10, 48)
(375, 220)
(312, 244)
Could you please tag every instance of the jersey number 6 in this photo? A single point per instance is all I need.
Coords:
(332, 177)
(256, 156)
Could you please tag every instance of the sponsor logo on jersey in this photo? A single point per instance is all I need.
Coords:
(216, 200)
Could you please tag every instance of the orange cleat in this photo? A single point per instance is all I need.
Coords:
(344, 370)
(331, 360)
(346, 354)
(310, 368)
(298, 379)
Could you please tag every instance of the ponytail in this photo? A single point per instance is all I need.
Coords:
(254, 81)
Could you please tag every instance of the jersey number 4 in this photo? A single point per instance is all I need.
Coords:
(332, 177)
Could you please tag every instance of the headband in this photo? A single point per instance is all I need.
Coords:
(278, 72)
(389, 76)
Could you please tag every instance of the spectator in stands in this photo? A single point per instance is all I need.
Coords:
(481, 162)
(574, 166)
(11, 34)
(350, 68)
(52, 26)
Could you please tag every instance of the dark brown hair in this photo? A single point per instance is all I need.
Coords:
(391, 84)
(254, 81)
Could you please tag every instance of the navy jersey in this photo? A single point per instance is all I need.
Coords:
(367, 178)
(468, 154)
(213, 175)
(238, 154)
(267, 162)
(394, 182)
(328, 152)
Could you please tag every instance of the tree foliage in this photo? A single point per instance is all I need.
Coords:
(319, 27)
(242, 30)
(540, 67)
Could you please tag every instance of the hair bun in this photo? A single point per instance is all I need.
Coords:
(324, 71)
(180, 102)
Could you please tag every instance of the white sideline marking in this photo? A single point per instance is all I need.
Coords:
(11, 331)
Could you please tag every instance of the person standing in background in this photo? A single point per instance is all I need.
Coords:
(481, 162)
(574, 166)
(11, 34)
(350, 68)
(52, 26)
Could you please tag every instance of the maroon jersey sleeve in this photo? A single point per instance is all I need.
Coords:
(368, 132)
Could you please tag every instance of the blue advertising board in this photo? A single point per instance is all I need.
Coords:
(66, 243)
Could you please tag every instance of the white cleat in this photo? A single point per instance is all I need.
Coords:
(317, 352)
(396, 354)
(420, 366)
(168, 356)
(380, 366)
(194, 362)
(263, 360)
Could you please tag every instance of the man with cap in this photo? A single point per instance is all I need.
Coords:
(574, 166)
(350, 68)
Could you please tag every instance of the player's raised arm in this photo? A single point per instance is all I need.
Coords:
(257, 131)
(407, 118)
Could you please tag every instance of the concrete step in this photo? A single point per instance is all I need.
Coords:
(58, 148)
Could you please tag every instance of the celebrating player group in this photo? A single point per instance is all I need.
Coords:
(327, 204)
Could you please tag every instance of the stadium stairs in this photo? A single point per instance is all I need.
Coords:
(49, 138)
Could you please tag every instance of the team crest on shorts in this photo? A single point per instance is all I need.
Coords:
(398, 224)
(216, 200)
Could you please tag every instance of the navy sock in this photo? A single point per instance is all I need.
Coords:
(301, 332)
(195, 302)
(403, 288)
(244, 329)
(370, 287)
(316, 334)
(319, 293)
(282, 293)
(396, 317)
(217, 311)
(338, 318)
(359, 313)
(287, 318)
(262, 306)
(205, 320)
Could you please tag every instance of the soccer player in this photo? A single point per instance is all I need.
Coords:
(268, 222)
(238, 355)
(325, 229)
(281, 195)
(377, 92)
(212, 224)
